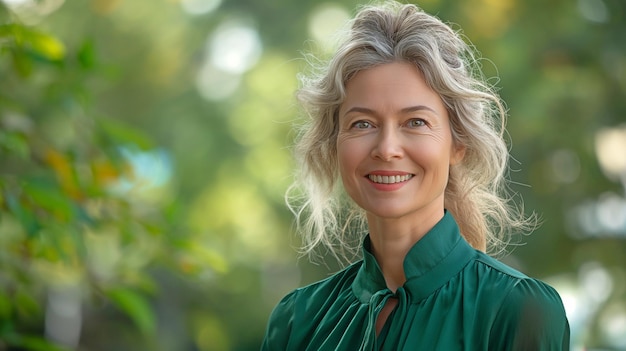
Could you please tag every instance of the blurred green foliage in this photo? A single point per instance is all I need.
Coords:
(139, 201)
(58, 218)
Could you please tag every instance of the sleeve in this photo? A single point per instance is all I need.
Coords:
(280, 324)
(531, 317)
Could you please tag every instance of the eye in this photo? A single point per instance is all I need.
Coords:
(361, 125)
(416, 122)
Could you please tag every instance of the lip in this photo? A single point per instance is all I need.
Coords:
(388, 173)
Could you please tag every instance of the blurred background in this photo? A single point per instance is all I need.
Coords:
(145, 151)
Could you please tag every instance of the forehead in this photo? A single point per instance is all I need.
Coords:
(390, 87)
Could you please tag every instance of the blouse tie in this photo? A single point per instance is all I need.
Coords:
(376, 304)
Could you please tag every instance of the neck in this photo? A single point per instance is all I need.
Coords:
(392, 239)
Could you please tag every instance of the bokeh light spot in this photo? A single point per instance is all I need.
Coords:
(613, 325)
(595, 281)
(611, 212)
(565, 166)
(325, 21)
(211, 335)
(215, 84)
(17, 2)
(32, 12)
(593, 10)
(610, 144)
(200, 7)
(235, 47)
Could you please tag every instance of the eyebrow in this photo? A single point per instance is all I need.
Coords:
(404, 110)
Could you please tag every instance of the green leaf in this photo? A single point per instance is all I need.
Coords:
(87, 55)
(21, 63)
(5, 306)
(26, 217)
(15, 143)
(25, 304)
(135, 306)
(122, 134)
(79, 242)
(49, 197)
(36, 343)
(31, 342)
(25, 40)
(45, 45)
(7, 30)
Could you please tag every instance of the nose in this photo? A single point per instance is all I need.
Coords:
(388, 145)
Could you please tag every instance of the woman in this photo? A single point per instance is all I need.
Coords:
(401, 117)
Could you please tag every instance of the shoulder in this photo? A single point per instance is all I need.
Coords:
(327, 288)
(529, 314)
(499, 268)
(300, 306)
(333, 285)
(531, 317)
(517, 290)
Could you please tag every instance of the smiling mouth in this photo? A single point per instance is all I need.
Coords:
(389, 179)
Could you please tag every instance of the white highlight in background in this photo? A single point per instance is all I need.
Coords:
(200, 7)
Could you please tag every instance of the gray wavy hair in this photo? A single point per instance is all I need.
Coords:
(477, 193)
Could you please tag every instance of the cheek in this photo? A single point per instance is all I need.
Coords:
(458, 154)
(348, 156)
(431, 155)
(343, 158)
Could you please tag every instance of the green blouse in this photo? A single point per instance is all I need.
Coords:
(454, 298)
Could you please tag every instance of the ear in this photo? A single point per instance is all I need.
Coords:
(457, 154)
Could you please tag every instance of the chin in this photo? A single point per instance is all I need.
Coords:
(387, 213)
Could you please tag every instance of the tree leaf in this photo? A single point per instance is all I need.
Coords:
(5, 306)
(21, 63)
(122, 134)
(87, 55)
(8, 30)
(25, 304)
(26, 217)
(49, 197)
(135, 306)
(45, 45)
(15, 143)
(31, 342)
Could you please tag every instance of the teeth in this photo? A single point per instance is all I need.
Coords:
(389, 179)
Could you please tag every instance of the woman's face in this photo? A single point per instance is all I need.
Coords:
(394, 144)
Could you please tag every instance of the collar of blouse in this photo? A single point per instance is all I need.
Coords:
(429, 264)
